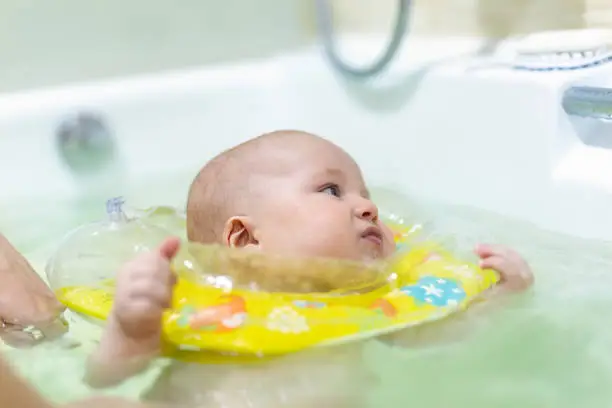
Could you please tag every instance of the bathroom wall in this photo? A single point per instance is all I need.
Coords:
(45, 43)
(598, 13)
(492, 18)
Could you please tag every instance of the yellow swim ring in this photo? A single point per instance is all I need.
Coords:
(250, 303)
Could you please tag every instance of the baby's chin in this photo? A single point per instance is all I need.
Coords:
(375, 255)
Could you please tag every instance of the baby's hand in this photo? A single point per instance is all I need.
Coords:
(515, 274)
(144, 291)
(132, 336)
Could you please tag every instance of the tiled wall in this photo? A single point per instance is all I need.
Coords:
(52, 42)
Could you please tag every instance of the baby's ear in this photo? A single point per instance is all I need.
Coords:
(239, 233)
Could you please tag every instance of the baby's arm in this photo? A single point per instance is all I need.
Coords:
(132, 336)
(515, 276)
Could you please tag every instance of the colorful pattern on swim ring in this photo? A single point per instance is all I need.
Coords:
(435, 291)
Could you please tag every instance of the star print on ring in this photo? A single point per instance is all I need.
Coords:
(435, 291)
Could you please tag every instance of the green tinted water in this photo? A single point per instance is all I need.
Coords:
(551, 348)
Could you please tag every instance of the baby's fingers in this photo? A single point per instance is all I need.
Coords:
(513, 276)
(169, 248)
(158, 295)
(152, 268)
(141, 311)
(497, 263)
(488, 250)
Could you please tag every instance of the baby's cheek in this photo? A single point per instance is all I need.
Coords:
(316, 240)
(388, 250)
(388, 240)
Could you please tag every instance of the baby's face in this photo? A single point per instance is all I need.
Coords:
(318, 205)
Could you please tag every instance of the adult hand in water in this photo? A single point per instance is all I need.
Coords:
(25, 301)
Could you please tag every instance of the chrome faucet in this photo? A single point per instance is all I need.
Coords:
(588, 102)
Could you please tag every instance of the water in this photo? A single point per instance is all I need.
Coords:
(551, 347)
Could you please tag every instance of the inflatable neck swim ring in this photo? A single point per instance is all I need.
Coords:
(234, 301)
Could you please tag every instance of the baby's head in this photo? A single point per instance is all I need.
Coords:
(290, 193)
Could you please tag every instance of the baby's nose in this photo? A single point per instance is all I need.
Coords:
(368, 211)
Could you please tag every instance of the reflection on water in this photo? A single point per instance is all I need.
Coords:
(549, 348)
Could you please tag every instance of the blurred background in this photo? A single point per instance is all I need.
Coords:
(52, 43)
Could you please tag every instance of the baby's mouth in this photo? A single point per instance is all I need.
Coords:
(374, 235)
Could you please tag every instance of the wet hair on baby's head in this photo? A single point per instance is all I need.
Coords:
(223, 188)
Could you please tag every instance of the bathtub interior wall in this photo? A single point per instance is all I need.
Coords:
(491, 138)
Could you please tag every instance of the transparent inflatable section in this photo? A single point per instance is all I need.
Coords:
(94, 252)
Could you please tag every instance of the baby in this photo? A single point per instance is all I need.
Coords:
(289, 193)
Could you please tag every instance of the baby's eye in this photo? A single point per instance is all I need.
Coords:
(332, 189)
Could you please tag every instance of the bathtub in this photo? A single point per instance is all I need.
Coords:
(443, 124)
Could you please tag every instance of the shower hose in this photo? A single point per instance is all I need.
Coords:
(326, 30)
